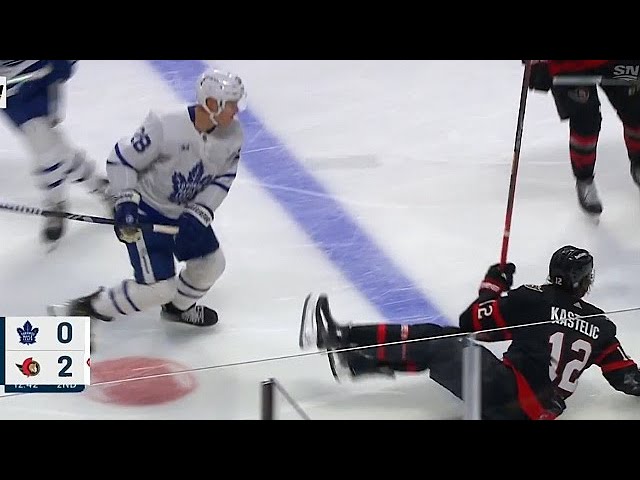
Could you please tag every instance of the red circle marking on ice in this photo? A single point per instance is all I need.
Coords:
(151, 391)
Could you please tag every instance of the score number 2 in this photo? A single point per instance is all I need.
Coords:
(65, 335)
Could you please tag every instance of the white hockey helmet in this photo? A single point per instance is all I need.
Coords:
(222, 86)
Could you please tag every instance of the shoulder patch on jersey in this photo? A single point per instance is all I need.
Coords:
(537, 288)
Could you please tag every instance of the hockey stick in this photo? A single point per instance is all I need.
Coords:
(35, 75)
(26, 77)
(168, 229)
(588, 80)
(516, 160)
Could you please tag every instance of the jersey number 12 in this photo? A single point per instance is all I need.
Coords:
(570, 371)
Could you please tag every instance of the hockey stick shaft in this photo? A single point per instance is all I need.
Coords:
(516, 160)
(157, 228)
(588, 80)
(26, 77)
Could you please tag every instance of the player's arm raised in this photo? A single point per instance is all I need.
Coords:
(490, 310)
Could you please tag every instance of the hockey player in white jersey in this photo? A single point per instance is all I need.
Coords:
(176, 169)
(34, 109)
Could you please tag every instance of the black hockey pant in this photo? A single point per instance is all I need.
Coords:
(443, 358)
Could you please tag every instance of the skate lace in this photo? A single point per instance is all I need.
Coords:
(194, 315)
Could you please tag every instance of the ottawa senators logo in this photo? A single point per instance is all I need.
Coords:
(579, 94)
(29, 368)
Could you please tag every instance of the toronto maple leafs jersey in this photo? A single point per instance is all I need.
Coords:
(172, 165)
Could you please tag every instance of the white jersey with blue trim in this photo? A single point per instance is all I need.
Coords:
(172, 165)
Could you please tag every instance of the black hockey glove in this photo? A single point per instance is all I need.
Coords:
(557, 405)
(540, 76)
(631, 382)
(497, 281)
(126, 216)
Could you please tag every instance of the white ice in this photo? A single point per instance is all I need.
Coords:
(419, 153)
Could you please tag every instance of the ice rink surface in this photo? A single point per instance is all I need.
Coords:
(381, 183)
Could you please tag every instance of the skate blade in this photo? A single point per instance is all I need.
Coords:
(308, 334)
(332, 365)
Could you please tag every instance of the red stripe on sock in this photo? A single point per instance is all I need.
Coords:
(381, 337)
(582, 159)
(632, 131)
(583, 141)
(633, 144)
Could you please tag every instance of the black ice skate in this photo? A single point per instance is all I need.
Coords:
(329, 338)
(54, 227)
(588, 196)
(197, 315)
(318, 327)
(308, 334)
(314, 327)
(80, 307)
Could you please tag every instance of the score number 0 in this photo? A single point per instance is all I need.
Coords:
(65, 335)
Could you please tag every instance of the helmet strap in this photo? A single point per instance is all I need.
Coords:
(212, 116)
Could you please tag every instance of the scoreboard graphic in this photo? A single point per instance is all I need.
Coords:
(45, 354)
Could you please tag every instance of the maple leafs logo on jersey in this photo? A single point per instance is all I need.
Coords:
(186, 189)
(27, 333)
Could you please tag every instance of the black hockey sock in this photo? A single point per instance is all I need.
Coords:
(385, 333)
(363, 335)
(582, 152)
(362, 363)
(632, 142)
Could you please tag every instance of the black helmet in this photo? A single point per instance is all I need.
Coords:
(571, 268)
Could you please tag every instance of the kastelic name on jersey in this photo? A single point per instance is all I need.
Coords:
(572, 320)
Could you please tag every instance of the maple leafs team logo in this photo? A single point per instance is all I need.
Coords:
(29, 368)
(186, 188)
(27, 333)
